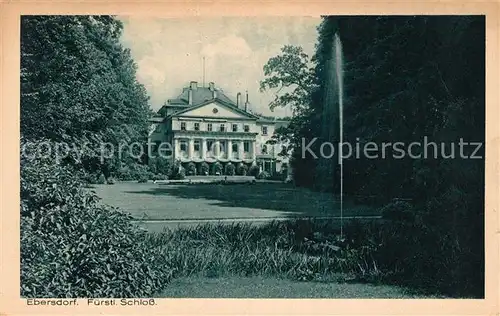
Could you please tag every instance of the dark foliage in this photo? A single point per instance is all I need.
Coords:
(254, 171)
(242, 170)
(405, 78)
(229, 169)
(72, 246)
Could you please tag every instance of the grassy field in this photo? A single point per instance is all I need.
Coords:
(216, 201)
(292, 259)
(260, 287)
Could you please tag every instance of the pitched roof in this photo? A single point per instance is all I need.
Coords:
(200, 95)
(221, 101)
(156, 119)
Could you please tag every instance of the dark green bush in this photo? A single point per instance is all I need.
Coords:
(101, 179)
(263, 175)
(254, 170)
(230, 169)
(160, 177)
(72, 246)
(191, 169)
(177, 172)
(204, 169)
(143, 178)
(241, 170)
(398, 210)
(217, 168)
(133, 171)
(159, 165)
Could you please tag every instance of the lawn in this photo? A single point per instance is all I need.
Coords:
(216, 201)
(260, 287)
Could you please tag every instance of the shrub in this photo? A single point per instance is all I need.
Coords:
(262, 175)
(229, 169)
(241, 170)
(191, 169)
(124, 174)
(217, 168)
(160, 165)
(398, 210)
(152, 165)
(254, 170)
(133, 171)
(160, 177)
(72, 246)
(177, 172)
(111, 180)
(101, 179)
(143, 178)
(204, 169)
(89, 178)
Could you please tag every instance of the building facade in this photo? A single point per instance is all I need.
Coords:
(204, 125)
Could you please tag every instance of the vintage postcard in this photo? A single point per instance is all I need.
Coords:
(225, 158)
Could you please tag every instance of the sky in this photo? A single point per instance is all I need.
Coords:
(169, 53)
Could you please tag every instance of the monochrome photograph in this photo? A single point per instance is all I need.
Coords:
(333, 157)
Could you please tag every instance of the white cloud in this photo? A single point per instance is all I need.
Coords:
(169, 52)
(231, 45)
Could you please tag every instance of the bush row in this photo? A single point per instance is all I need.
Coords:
(161, 169)
(73, 246)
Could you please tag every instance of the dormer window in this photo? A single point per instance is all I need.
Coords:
(196, 126)
(183, 126)
(235, 127)
(264, 130)
(246, 128)
(222, 128)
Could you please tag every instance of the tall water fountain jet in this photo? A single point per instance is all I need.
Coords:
(332, 125)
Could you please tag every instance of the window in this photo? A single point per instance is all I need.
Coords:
(210, 144)
(264, 130)
(183, 126)
(235, 127)
(246, 147)
(196, 126)
(235, 148)
(197, 145)
(264, 149)
(246, 128)
(183, 145)
(209, 127)
(222, 128)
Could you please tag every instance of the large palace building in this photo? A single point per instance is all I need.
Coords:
(204, 125)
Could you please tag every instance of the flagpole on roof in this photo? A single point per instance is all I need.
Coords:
(203, 71)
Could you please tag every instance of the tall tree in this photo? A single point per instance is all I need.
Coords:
(78, 83)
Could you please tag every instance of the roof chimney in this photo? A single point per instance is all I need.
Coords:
(238, 97)
(246, 103)
(193, 85)
(190, 97)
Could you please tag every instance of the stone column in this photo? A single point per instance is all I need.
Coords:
(203, 148)
(191, 148)
(217, 149)
(229, 149)
(241, 151)
(254, 150)
(176, 149)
